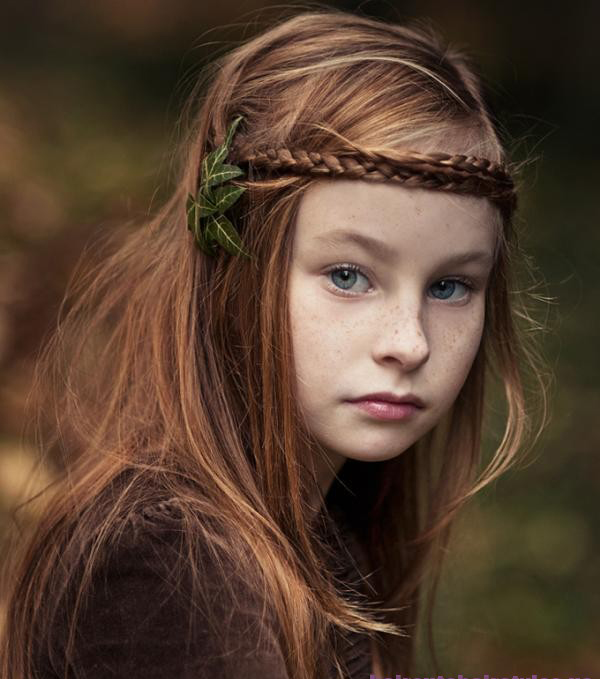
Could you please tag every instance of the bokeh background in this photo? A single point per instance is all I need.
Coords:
(91, 95)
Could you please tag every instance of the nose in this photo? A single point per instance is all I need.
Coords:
(402, 338)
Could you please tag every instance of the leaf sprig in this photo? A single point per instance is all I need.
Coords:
(205, 212)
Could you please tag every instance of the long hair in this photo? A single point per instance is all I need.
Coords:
(170, 369)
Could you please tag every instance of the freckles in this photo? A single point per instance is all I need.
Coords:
(462, 341)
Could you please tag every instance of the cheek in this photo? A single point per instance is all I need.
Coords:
(306, 329)
(455, 349)
(322, 346)
(311, 339)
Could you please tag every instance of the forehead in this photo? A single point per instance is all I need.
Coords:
(404, 217)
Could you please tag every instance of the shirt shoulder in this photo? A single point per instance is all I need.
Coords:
(144, 615)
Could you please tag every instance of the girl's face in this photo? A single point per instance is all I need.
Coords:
(376, 306)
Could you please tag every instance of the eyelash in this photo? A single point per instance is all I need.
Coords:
(353, 267)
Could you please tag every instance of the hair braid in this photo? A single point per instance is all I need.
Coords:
(456, 173)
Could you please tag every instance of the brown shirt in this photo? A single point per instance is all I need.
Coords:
(134, 626)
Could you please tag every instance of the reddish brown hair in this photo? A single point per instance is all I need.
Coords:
(178, 369)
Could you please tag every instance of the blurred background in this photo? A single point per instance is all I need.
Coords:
(90, 99)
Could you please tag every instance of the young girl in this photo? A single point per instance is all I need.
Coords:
(268, 406)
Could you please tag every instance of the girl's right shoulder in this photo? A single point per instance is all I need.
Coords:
(162, 601)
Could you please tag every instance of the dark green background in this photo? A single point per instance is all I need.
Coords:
(90, 99)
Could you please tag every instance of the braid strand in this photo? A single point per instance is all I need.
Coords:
(441, 171)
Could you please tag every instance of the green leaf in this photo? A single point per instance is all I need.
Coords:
(212, 162)
(194, 225)
(225, 196)
(205, 244)
(206, 206)
(224, 173)
(207, 193)
(223, 231)
(192, 213)
(218, 229)
(231, 131)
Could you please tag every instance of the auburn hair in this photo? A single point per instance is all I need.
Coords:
(174, 370)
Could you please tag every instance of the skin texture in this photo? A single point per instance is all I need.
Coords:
(399, 325)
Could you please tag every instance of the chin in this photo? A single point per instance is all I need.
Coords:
(378, 455)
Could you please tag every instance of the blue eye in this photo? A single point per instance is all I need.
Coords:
(448, 286)
(345, 276)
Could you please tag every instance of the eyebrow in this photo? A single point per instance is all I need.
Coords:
(384, 252)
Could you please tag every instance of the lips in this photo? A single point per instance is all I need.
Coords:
(389, 397)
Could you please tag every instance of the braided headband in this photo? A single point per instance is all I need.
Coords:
(441, 171)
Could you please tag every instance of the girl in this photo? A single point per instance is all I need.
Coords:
(267, 421)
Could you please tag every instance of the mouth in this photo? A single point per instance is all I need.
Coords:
(386, 397)
(386, 410)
